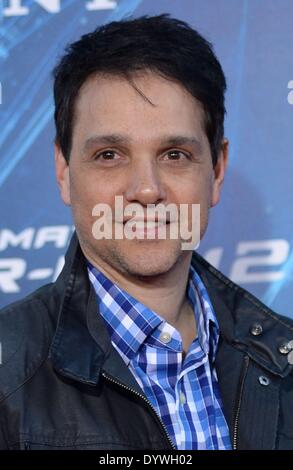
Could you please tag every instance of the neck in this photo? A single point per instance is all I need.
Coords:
(165, 294)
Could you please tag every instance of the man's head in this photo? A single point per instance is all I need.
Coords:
(164, 45)
(139, 114)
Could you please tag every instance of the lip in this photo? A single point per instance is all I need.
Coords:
(147, 221)
(147, 228)
(148, 225)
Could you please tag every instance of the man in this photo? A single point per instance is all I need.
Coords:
(141, 344)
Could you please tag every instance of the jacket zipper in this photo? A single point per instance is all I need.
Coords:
(236, 422)
(158, 419)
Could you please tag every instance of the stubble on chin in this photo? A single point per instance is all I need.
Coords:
(143, 261)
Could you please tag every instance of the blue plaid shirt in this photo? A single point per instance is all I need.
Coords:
(184, 393)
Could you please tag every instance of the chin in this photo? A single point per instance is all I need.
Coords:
(148, 262)
(150, 271)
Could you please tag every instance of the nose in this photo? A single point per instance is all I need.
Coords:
(144, 184)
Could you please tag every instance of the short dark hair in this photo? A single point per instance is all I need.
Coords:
(165, 45)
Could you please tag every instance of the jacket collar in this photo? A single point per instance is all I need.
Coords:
(239, 312)
(81, 348)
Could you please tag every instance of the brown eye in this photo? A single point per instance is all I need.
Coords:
(176, 155)
(105, 155)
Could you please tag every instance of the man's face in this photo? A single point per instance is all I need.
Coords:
(149, 151)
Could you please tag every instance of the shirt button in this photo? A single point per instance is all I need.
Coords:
(182, 398)
(165, 337)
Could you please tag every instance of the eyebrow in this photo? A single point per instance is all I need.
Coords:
(112, 139)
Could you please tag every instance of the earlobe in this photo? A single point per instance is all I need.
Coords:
(219, 172)
(62, 175)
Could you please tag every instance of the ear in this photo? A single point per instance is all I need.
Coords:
(62, 175)
(219, 172)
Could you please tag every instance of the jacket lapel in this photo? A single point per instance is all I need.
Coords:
(249, 367)
(81, 348)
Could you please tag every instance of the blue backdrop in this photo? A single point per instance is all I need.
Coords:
(250, 234)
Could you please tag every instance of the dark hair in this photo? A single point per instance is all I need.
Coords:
(162, 44)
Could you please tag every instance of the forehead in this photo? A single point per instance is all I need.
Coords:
(143, 104)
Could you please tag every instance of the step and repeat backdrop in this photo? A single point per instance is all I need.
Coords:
(250, 235)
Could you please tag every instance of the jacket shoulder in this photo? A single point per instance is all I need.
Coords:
(233, 293)
(25, 335)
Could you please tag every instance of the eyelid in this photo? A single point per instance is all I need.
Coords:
(184, 152)
(98, 153)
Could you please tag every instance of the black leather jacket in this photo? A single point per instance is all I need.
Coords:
(63, 385)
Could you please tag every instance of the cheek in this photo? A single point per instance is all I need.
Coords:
(198, 191)
(195, 192)
(88, 189)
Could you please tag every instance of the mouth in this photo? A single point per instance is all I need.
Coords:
(149, 224)
(146, 228)
(148, 221)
